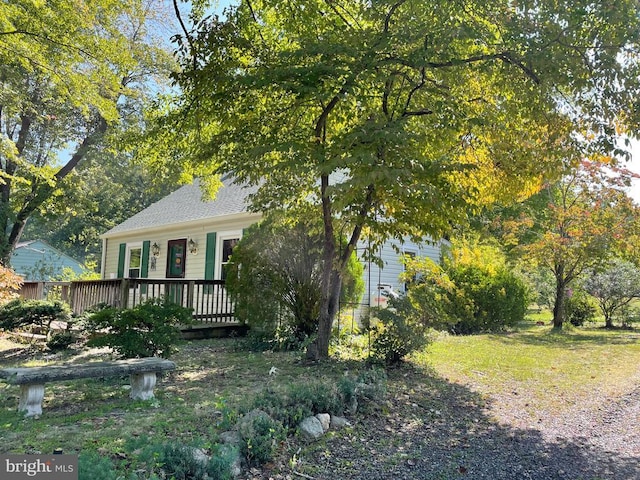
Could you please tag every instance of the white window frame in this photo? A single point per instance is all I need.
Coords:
(222, 236)
(127, 262)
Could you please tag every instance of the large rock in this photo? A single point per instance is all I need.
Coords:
(311, 429)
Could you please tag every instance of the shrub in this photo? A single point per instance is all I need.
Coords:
(290, 404)
(220, 466)
(39, 313)
(92, 466)
(275, 277)
(179, 461)
(61, 341)
(474, 291)
(398, 333)
(149, 329)
(493, 299)
(175, 460)
(282, 339)
(261, 444)
(578, 308)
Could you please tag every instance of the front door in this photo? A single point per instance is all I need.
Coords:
(177, 256)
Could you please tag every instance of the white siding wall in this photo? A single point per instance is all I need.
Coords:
(392, 266)
(194, 264)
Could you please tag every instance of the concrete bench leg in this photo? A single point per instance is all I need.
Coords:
(142, 385)
(31, 396)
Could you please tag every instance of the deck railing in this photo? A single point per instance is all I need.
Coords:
(209, 299)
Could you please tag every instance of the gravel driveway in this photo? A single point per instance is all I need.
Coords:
(432, 429)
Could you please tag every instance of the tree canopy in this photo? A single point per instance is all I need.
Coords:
(571, 226)
(401, 117)
(70, 73)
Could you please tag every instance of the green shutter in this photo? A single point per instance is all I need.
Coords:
(121, 258)
(210, 257)
(144, 262)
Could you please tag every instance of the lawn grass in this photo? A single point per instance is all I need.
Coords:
(575, 365)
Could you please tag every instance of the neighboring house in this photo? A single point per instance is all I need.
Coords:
(183, 236)
(37, 261)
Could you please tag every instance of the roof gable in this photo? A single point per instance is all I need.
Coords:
(186, 204)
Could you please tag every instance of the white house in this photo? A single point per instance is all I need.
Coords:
(183, 236)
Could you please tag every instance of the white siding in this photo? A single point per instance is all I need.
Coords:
(194, 264)
(392, 267)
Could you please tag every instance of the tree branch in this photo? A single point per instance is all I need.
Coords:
(387, 20)
(50, 40)
(82, 150)
(506, 57)
(186, 34)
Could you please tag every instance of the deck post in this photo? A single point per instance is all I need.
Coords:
(190, 293)
(124, 293)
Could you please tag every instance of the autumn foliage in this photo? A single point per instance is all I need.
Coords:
(10, 283)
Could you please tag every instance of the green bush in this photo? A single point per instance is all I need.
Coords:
(290, 404)
(61, 341)
(398, 333)
(579, 308)
(147, 330)
(279, 404)
(282, 339)
(92, 466)
(178, 461)
(493, 299)
(20, 313)
(275, 278)
(174, 460)
(261, 445)
(221, 462)
(371, 386)
(473, 291)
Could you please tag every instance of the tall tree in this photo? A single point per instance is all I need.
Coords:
(69, 72)
(573, 225)
(399, 117)
(105, 189)
(614, 287)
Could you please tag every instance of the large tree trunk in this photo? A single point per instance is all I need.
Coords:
(558, 306)
(328, 310)
(608, 320)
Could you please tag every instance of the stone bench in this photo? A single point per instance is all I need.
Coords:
(142, 373)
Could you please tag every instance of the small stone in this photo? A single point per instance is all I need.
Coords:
(339, 422)
(199, 455)
(230, 438)
(311, 429)
(325, 420)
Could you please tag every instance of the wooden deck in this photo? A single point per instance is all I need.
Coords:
(208, 299)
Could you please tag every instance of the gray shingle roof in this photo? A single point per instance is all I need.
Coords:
(186, 204)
